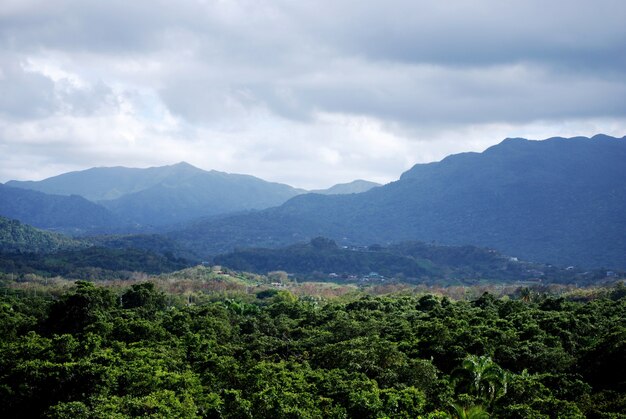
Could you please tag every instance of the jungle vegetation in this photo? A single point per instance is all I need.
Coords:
(136, 351)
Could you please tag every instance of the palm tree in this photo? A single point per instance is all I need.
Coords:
(525, 294)
(489, 381)
(473, 412)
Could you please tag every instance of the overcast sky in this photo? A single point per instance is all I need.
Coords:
(308, 93)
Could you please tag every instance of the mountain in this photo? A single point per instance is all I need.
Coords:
(160, 196)
(560, 200)
(177, 200)
(356, 186)
(70, 214)
(22, 238)
(107, 183)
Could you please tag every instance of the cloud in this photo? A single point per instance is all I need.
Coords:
(24, 94)
(309, 92)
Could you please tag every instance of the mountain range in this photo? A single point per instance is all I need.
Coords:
(168, 195)
(560, 200)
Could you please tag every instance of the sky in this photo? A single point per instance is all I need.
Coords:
(308, 93)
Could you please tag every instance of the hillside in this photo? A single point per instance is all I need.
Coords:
(558, 201)
(160, 196)
(408, 262)
(93, 263)
(69, 214)
(204, 194)
(154, 243)
(22, 238)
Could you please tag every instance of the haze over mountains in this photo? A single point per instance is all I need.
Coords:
(161, 196)
(356, 186)
(559, 200)
(68, 214)
(165, 195)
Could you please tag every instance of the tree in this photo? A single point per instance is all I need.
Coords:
(473, 412)
(489, 381)
(144, 295)
(87, 306)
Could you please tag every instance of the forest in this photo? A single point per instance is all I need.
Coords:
(93, 351)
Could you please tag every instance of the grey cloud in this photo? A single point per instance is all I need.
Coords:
(256, 69)
(24, 94)
(88, 100)
(27, 93)
(418, 96)
(563, 33)
(219, 59)
(580, 34)
(111, 27)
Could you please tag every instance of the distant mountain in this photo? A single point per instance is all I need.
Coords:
(356, 186)
(107, 183)
(160, 196)
(22, 238)
(176, 200)
(69, 214)
(559, 200)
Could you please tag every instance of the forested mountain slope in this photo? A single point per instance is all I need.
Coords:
(166, 195)
(71, 214)
(559, 200)
(22, 238)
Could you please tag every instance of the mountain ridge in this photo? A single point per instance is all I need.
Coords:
(557, 200)
(159, 196)
(156, 197)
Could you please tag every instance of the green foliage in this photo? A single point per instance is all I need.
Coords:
(92, 263)
(409, 261)
(144, 296)
(22, 238)
(95, 352)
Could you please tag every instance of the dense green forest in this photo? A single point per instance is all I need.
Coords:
(96, 352)
(90, 263)
(409, 262)
(18, 237)
(27, 250)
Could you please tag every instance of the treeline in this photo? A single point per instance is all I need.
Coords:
(98, 352)
(92, 263)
